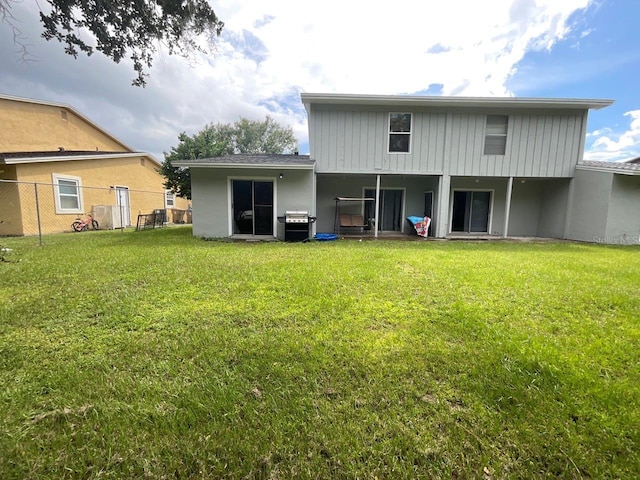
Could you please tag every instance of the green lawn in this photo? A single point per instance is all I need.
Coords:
(157, 355)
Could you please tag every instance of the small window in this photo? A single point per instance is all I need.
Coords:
(67, 194)
(142, 162)
(495, 140)
(399, 132)
(169, 199)
(63, 114)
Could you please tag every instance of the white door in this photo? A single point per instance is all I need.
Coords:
(124, 207)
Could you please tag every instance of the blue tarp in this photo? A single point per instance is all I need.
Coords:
(324, 237)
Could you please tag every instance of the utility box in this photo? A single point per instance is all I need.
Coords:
(107, 216)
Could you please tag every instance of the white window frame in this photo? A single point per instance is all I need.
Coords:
(492, 134)
(409, 133)
(57, 195)
(169, 196)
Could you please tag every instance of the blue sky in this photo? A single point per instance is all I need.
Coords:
(271, 51)
(599, 59)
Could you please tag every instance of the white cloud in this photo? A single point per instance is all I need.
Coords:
(609, 146)
(273, 50)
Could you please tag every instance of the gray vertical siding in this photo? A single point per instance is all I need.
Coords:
(546, 144)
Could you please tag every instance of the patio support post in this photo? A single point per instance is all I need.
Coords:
(442, 226)
(377, 203)
(568, 212)
(507, 208)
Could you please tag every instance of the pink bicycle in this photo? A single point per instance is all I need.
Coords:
(81, 225)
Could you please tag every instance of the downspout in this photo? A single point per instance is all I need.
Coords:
(507, 209)
(377, 203)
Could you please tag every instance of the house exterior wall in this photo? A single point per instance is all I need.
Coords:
(19, 208)
(210, 189)
(590, 205)
(32, 127)
(498, 188)
(330, 186)
(525, 209)
(623, 220)
(354, 139)
(10, 209)
(553, 208)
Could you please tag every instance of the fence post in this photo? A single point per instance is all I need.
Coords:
(35, 187)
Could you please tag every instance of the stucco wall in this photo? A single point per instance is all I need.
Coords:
(30, 127)
(211, 196)
(623, 221)
(10, 209)
(590, 205)
(553, 208)
(525, 208)
(145, 184)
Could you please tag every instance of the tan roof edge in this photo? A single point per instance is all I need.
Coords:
(62, 158)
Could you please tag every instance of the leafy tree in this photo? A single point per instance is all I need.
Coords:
(244, 136)
(125, 27)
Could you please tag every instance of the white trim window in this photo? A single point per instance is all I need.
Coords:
(169, 199)
(400, 132)
(67, 193)
(495, 140)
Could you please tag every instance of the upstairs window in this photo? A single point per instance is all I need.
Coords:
(399, 132)
(495, 140)
(68, 197)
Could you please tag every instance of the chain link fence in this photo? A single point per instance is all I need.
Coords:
(28, 208)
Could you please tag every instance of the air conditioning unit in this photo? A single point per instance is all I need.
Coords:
(107, 216)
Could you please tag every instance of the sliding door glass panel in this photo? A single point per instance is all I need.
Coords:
(392, 210)
(480, 212)
(389, 211)
(460, 215)
(263, 208)
(242, 206)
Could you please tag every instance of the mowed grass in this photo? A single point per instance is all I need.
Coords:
(157, 355)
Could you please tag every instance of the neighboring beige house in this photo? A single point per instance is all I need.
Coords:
(74, 167)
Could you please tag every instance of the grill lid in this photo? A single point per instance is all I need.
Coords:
(298, 216)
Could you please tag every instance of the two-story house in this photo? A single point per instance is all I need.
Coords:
(475, 166)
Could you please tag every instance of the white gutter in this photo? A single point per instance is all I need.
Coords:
(243, 165)
(66, 158)
(441, 101)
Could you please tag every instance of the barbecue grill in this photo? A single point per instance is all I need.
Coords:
(296, 225)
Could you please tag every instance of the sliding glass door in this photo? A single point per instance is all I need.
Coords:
(471, 210)
(252, 207)
(389, 210)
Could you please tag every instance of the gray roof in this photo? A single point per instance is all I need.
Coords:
(622, 168)
(247, 160)
(438, 101)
